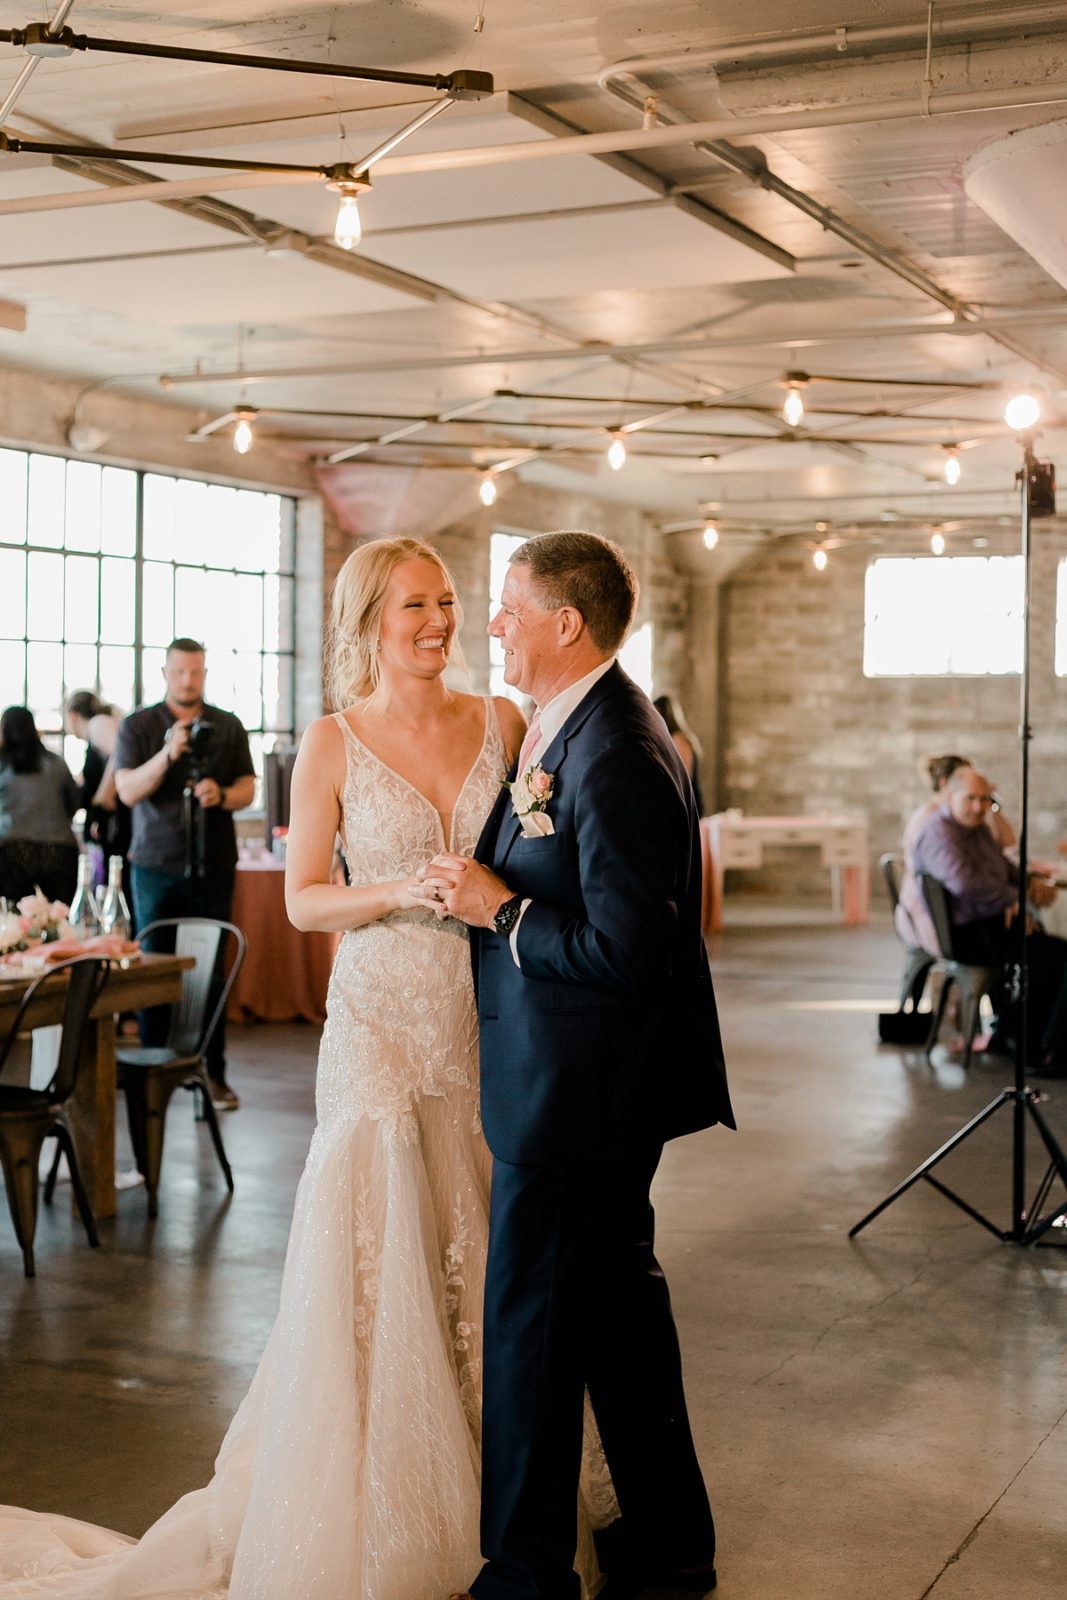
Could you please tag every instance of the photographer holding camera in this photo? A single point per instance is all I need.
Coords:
(183, 767)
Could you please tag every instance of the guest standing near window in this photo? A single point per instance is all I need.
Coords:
(38, 799)
(107, 820)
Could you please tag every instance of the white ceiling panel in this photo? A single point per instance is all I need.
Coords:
(70, 235)
(552, 256)
(204, 290)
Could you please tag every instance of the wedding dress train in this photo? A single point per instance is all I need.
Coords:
(350, 1471)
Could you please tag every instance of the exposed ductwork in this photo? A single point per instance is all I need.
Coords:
(1019, 183)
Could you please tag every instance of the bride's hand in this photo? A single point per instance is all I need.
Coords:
(428, 892)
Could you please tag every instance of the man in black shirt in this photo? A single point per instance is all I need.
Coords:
(184, 857)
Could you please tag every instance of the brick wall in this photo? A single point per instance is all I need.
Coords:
(804, 731)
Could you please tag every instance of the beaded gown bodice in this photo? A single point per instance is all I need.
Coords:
(400, 1010)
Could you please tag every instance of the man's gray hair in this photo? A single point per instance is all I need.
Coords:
(587, 573)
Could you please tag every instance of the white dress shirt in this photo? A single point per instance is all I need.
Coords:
(554, 714)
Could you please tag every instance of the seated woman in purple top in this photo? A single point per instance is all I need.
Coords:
(957, 848)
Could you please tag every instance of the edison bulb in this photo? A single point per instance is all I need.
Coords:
(243, 437)
(820, 559)
(487, 490)
(711, 536)
(937, 544)
(952, 470)
(348, 229)
(617, 453)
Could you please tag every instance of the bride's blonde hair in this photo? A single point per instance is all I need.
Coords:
(356, 604)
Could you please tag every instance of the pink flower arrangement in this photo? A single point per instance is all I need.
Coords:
(37, 921)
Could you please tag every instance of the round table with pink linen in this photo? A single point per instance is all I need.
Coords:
(285, 972)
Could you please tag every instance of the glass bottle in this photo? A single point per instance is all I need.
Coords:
(84, 914)
(114, 912)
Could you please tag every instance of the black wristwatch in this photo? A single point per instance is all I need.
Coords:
(506, 918)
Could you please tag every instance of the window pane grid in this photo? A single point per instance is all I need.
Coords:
(100, 567)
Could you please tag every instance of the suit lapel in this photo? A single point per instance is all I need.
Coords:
(552, 760)
(503, 829)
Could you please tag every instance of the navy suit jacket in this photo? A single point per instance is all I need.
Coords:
(608, 1033)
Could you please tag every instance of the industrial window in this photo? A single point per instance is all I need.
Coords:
(944, 616)
(100, 567)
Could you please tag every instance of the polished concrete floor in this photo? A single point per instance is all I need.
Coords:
(883, 1417)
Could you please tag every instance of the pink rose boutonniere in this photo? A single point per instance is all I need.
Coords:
(530, 795)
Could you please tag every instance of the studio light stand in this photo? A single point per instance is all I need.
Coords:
(1037, 480)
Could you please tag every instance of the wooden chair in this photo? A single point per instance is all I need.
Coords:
(917, 961)
(971, 981)
(29, 1116)
(150, 1075)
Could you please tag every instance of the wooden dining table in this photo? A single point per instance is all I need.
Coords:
(154, 980)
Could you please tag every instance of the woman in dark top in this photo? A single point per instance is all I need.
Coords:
(686, 741)
(38, 798)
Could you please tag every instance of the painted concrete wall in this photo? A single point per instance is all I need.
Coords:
(804, 731)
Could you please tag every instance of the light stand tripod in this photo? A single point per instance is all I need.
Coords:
(1037, 480)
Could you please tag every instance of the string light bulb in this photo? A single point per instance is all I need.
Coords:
(819, 559)
(1022, 410)
(711, 534)
(953, 470)
(617, 453)
(349, 184)
(243, 437)
(937, 542)
(793, 410)
(487, 489)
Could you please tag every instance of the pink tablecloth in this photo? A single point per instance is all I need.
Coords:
(285, 972)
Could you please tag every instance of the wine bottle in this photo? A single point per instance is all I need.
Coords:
(84, 914)
(114, 912)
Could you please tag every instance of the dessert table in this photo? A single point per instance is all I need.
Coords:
(154, 980)
(730, 840)
(285, 972)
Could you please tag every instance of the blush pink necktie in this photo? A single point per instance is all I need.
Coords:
(529, 744)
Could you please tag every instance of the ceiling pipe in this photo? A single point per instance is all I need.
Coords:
(593, 144)
(14, 94)
(52, 39)
(1043, 317)
(753, 166)
(1003, 22)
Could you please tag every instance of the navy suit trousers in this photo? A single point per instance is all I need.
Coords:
(576, 1299)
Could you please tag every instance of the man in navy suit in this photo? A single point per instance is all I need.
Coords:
(599, 1041)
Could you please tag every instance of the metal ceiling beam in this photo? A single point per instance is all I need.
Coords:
(630, 139)
(551, 122)
(1052, 316)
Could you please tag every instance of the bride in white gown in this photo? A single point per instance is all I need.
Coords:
(351, 1470)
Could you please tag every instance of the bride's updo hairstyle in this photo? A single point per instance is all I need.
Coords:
(356, 606)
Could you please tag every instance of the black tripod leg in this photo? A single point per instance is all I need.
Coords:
(1003, 1098)
(1057, 1168)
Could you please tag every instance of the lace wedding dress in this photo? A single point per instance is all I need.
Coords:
(350, 1471)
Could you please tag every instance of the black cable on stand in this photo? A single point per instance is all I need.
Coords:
(1038, 499)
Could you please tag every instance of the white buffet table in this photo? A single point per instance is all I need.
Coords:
(730, 840)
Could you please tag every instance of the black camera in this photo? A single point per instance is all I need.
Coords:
(201, 739)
